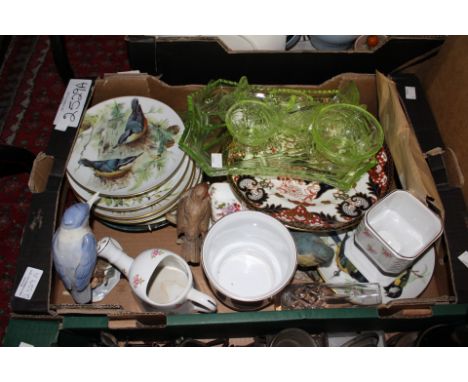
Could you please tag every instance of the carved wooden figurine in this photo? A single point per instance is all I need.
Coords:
(193, 219)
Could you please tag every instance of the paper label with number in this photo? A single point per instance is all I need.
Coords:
(72, 105)
(28, 283)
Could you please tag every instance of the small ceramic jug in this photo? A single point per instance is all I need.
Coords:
(161, 279)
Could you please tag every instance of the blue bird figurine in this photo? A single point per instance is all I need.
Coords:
(312, 251)
(136, 127)
(110, 168)
(74, 250)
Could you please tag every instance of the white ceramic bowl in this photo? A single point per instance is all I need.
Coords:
(332, 42)
(248, 257)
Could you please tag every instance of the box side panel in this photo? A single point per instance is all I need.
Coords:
(238, 325)
(37, 237)
(413, 171)
(36, 243)
(199, 60)
(28, 332)
(427, 131)
(445, 80)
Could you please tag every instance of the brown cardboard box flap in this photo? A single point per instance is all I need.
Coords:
(143, 85)
(413, 171)
(444, 79)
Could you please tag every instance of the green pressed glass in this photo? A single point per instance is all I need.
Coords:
(345, 134)
(251, 122)
(312, 134)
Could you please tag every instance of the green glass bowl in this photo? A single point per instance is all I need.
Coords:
(250, 122)
(346, 134)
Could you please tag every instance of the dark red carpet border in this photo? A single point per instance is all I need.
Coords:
(30, 92)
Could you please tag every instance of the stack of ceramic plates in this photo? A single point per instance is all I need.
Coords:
(127, 150)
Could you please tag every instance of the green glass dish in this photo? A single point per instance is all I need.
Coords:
(241, 129)
(345, 134)
(251, 122)
(206, 134)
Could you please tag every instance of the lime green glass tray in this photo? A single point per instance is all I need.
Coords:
(210, 138)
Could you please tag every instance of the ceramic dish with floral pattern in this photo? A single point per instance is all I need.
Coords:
(126, 146)
(314, 206)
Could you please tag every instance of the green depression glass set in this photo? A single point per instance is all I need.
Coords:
(316, 135)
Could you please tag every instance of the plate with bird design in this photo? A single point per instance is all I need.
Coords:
(315, 206)
(116, 204)
(351, 265)
(155, 209)
(126, 146)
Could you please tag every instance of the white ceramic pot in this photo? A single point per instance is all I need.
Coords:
(396, 231)
(248, 257)
(161, 279)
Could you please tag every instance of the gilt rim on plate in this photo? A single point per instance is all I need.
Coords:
(154, 209)
(174, 182)
(154, 215)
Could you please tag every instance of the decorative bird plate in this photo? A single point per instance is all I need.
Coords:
(126, 146)
(189, 178)
(140, 201)
(409, 284)
(313, 206)
(157, 209)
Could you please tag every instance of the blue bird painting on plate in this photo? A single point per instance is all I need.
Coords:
(126, 146)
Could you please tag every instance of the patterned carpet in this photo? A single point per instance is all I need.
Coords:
(30, 92)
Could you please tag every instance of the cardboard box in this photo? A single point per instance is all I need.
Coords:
(121, 311)
(183, 60)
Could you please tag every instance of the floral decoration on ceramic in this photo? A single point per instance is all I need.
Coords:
(156, 252)
(137, 280)
(223, 201)
(126, 146)
(315, 206)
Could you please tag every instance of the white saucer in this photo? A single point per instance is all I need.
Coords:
(420, 274)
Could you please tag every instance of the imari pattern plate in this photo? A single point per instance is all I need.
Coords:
(315, 206)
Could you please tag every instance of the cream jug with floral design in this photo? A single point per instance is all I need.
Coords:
(161, 279)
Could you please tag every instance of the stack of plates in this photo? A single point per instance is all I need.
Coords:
(127, 150)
